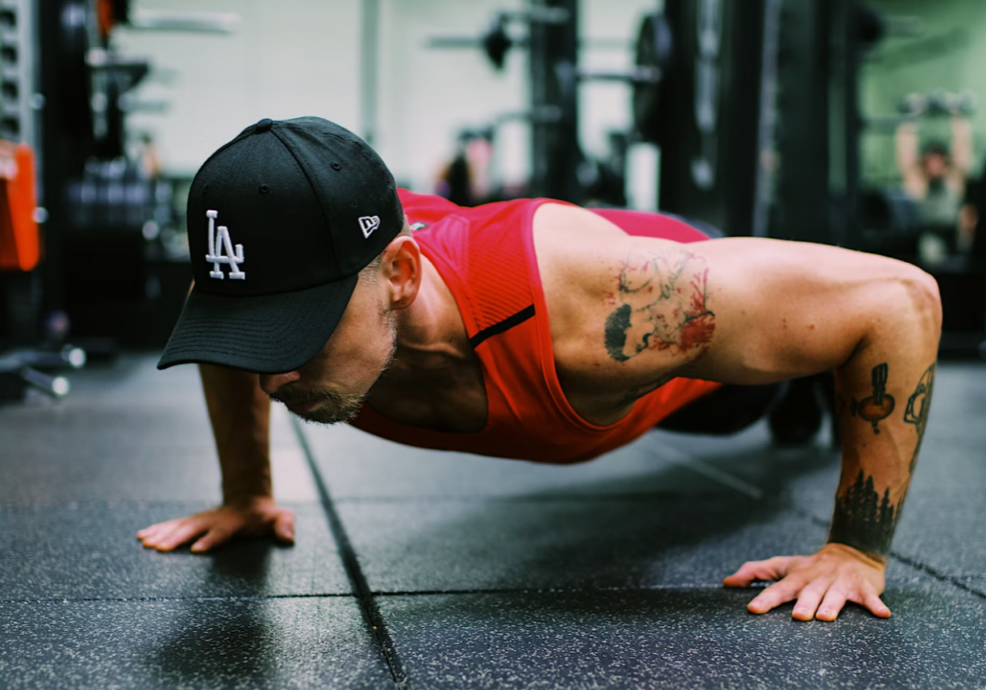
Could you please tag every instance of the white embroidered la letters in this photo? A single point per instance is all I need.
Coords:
(368, 224)
(225, 253)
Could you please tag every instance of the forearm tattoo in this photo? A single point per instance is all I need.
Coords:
(661, 303)
(878, 406)
(863, 520)
(918, 408)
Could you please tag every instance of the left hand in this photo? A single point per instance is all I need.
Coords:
(822, 584)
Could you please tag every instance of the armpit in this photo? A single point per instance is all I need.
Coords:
(660, 303)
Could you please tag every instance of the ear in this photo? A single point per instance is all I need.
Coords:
(401, 270)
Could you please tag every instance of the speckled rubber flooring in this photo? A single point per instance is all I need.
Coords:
(421, 569)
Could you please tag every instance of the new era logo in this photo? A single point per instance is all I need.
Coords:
(368, 224)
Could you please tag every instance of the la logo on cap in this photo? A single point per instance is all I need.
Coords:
(368, 224)
(223, 252)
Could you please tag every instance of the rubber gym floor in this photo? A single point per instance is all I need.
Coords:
(424, 569)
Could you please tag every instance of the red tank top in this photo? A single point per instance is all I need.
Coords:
(486, 257)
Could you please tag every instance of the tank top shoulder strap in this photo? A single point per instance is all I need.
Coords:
(482, 254)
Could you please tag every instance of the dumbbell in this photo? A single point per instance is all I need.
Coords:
(18, 371)
(945, 103)
(938, 103)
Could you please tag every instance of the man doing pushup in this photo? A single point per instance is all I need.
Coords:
(533, 330)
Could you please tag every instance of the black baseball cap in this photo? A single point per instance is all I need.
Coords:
(281, 220)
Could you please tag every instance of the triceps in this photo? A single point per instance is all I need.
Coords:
(661, 302)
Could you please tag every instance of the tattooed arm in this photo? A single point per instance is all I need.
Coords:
(751, 311)
(877, 323)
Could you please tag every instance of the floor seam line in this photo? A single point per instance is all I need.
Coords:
(726, 479)
(372, 615)
(218, 597)
(553, 590)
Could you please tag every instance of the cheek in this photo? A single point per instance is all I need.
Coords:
(363, 351)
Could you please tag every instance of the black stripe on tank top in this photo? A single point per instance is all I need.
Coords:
(505, 325)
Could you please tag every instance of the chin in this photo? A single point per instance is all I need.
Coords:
(326, 417)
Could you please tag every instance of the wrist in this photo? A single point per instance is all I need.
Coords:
(247, 493)
(875, 560)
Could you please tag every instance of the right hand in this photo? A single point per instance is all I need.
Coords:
(257, 516)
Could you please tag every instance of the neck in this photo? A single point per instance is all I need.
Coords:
(430, 332)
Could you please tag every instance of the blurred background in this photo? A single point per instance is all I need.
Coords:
(834, 121)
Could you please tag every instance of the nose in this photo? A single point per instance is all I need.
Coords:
(270, 383)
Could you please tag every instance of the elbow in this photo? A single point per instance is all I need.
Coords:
(924, 300)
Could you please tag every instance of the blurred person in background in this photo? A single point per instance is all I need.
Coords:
(937, 178)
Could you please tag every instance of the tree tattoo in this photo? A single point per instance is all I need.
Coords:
(661, 304)
(918, 408)
(879, 405)
(864, 521)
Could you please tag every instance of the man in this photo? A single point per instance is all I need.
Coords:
(936, 179)
(533, 330)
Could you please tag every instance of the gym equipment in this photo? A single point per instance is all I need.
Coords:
(819, 123)
(116, 196)
(890, 222)
(104, 217)
(184, 22)
(937, 103)
(20, 242)
(715, 113)
(20, 370)
(654, 50)
(20, 237)
(559, 168)
(497, 41)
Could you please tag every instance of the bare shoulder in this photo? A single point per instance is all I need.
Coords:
(621, 308)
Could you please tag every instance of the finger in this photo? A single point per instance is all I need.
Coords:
(284, 526)
(771, 569)
(808, 600)
(214, 537)
(180, 535)
(872, 601)
(832, 605)
(154, 530)
(775, 595)
(158, 532)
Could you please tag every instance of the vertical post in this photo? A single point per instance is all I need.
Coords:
(803, 131)
(711, 112)
(369, 68)
(553, 55)
(853, 124)
(766, 145)
(843, 125)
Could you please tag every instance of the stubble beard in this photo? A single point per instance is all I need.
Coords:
(336, 407)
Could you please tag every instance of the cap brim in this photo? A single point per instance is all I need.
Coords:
(266, 334)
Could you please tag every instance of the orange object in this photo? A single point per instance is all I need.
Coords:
(104, 13)
(20, 242)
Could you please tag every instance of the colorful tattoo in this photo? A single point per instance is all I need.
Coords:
(918, 408)
(864, 521)
(878, 406)
(661, 304)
